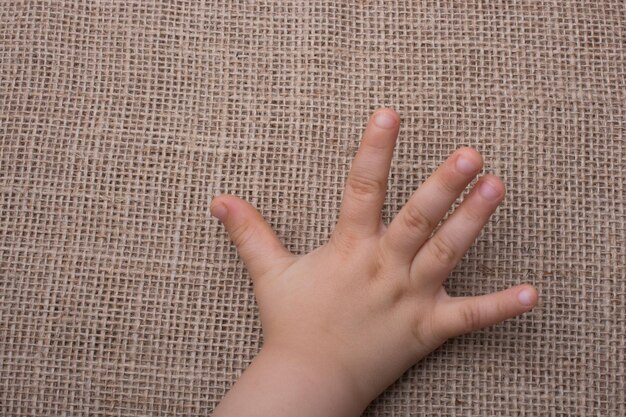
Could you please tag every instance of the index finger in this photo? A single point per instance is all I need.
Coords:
(366, 185)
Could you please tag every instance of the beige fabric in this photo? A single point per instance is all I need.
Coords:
(120, 120)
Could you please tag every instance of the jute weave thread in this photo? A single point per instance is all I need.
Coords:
(120, 120)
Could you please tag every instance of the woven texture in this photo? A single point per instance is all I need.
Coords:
(119, 121)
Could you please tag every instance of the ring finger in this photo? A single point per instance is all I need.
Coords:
(439, 255)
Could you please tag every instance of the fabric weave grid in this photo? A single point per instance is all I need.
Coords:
(119, 121)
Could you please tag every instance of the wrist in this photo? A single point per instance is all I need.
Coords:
(326, 379)
(287, 382)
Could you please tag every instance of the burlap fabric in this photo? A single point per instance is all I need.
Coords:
(119, 121)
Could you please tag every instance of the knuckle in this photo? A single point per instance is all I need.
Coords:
(416, 220)
(424, 331)
(361, 186)
(472, 215)
(443, 251)
(470, 317)
(243, 234)
(502, 312)
(420, 334)
(446, 183)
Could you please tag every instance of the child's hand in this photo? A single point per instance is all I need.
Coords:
(345, 321)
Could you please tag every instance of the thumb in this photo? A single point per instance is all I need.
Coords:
(255, 240)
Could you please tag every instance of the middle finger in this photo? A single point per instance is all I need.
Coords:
(427, 206)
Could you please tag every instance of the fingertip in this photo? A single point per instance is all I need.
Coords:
(528, 296)
(386, 118)
(219, 209)
(225, 204)
(389, 110)
(470, 152)
(214, 200)
(494, 180)
(492, 177)
(468, 161)
(491, 187)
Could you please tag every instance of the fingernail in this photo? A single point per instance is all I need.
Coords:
(526, 297)
(384, 120)
(466, 165)
(220, 211)
(488, 191)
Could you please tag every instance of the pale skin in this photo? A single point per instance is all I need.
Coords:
(343, 322)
